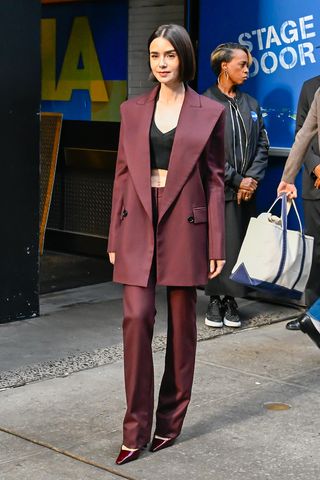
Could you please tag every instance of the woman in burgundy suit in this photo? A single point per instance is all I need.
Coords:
(167, 228)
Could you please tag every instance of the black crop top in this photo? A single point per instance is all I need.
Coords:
(160, 146)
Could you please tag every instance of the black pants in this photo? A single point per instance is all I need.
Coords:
(312, 227)
(237, 221)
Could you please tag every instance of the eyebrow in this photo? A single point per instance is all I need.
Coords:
(168, 51)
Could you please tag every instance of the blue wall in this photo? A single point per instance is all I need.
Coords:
(282, 38)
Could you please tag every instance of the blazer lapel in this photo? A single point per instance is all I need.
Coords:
(193, 131)
(138, 158)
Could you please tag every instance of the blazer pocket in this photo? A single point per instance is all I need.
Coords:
(200, 214)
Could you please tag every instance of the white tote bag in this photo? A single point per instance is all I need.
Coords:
(272, 257)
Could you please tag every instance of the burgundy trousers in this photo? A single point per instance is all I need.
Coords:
(175, 390)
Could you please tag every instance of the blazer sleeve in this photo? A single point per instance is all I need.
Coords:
(311, 159)
(118, 189)
(302, 142)
(215, 163)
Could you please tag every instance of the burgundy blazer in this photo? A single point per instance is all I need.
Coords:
(190, 227)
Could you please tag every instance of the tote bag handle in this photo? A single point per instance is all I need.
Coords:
(285, 209)
(284, 222)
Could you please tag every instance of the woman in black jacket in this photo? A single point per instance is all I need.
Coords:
(246, 155)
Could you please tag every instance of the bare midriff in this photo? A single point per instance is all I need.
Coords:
(158, 177)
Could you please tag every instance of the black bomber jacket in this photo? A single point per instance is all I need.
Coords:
(257, 142)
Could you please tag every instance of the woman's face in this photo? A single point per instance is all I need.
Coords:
(164, 61)
(237, 68)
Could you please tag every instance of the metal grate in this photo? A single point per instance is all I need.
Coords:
(50, 129)
(82, 195)
(56, 215)
(88, 202)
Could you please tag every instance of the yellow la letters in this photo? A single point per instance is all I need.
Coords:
(80, 45)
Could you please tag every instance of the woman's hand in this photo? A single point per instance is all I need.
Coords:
(243, 195)
(288, 188)
(216, 267)
(316, 171)
(112, 257)
(249, 184)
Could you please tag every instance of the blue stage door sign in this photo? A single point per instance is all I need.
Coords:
(282, 38)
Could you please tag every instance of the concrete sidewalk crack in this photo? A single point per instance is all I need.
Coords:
(66, 453)
(256, 375)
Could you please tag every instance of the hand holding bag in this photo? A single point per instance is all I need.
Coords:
(272, 257)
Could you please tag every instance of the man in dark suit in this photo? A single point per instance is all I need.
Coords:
(310, 194)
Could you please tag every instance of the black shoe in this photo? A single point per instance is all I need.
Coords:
(214, 313)
(231, 312)
(293, 325)
(307, 327)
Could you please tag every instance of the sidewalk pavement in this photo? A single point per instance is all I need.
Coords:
(68, 425)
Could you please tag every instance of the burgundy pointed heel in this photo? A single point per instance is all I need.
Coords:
(159, 444)
(126, 456)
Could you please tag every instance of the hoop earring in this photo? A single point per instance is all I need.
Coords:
(226, 74)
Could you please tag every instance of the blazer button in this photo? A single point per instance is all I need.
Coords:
(191, 219)
(124, 213)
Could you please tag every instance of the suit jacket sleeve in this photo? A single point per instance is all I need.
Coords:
(260, 162)
(311, 159)
(118, 189)
(215, 163)
(231, 175)
(302, 142)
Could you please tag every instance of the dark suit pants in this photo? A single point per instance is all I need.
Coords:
(175, 389)
(312, 227)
